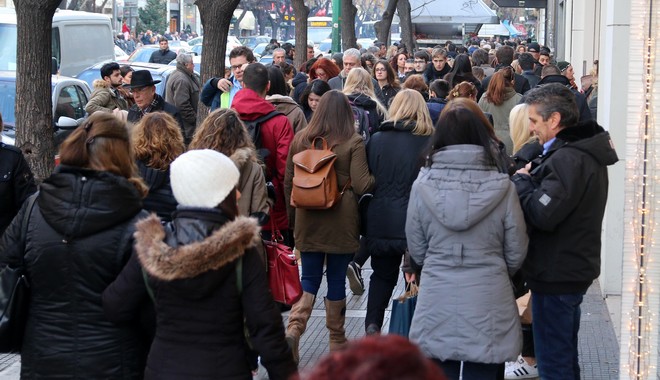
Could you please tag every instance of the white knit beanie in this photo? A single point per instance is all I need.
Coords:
(202, 178)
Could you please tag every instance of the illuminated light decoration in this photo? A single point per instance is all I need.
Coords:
(643, 178)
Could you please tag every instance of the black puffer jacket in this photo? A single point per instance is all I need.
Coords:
(369, 105)
(200, 314)
(16, 183)
(160, 198)
(79, 237)
(395, 157)
(564, 203)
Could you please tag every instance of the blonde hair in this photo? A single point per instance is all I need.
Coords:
(409, 106)
(359, 81)
(519, 126)
(157, 140)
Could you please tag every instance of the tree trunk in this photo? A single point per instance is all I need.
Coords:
(301, 11)
(385, 24)
(34, 107)
(407, 36)
(347, 24)
(237, 26)
(216, 19)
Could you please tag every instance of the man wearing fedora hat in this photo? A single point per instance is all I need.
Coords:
(143, 88)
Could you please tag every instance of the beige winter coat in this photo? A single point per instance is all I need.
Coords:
(291, 109)
(104, 99)
(252, 183)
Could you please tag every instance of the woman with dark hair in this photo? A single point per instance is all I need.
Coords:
(311, 96)
(276, 95)
(157, 141)
(398, 63)
(224, 132)
(328, 237)
(206, 280)
(79, 235)
(462, 72)
(499, 100)
(387, 81)
(126, 74)
(446, 239)
(323, 69)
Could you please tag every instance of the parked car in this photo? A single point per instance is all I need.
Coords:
(158, 72)
(266, 59)
(197, 61)
(143, 53)
(232, 42)
(253, 41)
(120, 55)
(69, 96)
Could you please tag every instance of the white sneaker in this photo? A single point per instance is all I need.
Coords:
(520, 370)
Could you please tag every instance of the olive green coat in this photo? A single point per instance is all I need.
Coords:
(335, 230)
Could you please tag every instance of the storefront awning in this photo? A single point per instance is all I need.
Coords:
(490, 30)
(428, 15)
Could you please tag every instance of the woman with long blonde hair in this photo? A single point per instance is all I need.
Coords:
(157, 141)
(224, 132)
(328, 237)
(360, 90)
(407, 132)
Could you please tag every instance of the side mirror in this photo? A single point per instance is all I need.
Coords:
(67, 123)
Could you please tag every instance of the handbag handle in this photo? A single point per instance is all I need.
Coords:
(275, 234)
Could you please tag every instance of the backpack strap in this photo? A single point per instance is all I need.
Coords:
(266, 117)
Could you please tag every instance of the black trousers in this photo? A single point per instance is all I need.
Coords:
(382, 282)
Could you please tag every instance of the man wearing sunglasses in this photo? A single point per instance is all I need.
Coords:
(219, 92)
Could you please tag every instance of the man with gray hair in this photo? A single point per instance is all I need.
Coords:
(279, 56)
(351, 60)
(182, 91)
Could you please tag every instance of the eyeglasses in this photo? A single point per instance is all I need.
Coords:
(236, 67)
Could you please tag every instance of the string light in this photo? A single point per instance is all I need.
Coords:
(642, 175)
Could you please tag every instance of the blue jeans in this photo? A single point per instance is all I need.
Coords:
(556, 325)
(312, 273)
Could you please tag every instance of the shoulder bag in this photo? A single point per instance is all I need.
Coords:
(283, 275)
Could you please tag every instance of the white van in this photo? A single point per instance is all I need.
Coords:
(80, 39)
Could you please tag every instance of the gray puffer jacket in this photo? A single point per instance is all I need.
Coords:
(465, 226)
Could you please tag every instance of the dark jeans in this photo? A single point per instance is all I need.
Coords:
(556, 325)
(312, 273)
(471, 370)
(381, 284)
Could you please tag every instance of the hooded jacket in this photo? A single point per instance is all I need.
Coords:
(290, 109)
(394, 174)
(500, 115)
(105, 98)
(466, 228)
(254, 199)
(583, 107)
(564, 203)
(77, 242)
(276, 137)
(369, 105)
(183, 92)
(160, 198)
(191, 267)
(299, 82)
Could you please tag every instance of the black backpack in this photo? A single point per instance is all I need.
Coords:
(254, 130)
(362, 124)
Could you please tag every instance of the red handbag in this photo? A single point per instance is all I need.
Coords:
(283, 275)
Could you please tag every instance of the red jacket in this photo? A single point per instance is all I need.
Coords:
(276, 136)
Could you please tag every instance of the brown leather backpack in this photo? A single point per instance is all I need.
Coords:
(315, 179)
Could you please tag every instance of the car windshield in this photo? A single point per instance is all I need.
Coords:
(8, 47)
(142, 55)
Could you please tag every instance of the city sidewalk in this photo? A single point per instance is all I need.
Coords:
(599, 350)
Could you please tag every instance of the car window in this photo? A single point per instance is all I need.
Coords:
(90, 75)
(7, 101)
(160, 87)
(70, 103)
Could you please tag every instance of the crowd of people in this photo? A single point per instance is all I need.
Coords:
(473, 167)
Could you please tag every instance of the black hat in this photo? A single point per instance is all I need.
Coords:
(533, 47)
(142, 78)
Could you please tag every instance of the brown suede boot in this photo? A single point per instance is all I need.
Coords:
(298, 317)
(335, 316)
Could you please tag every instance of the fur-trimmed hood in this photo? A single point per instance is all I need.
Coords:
(100, 83)
(241, 156)
(167, 263)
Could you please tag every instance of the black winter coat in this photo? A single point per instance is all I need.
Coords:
(78, 239)
(387, 93)
(16, 183)
(394, 155)
(200, 313)
(159, 105)
(564, 203)
(160, 198)
(162, 56)
(369, 105)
